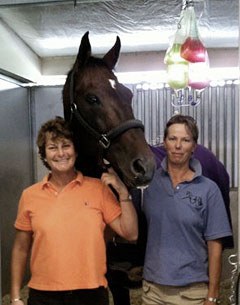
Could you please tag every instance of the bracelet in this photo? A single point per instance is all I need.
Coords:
(214, 300)
(127, 199)
(15, 300)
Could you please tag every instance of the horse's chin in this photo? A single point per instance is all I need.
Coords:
(142, 187)
(134, 182)
(129, 181)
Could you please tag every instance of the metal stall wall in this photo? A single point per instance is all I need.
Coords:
(16, 168)
(46, 104)
(216, 116)
(22, 112)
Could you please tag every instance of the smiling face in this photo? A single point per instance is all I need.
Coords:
(179, 144)
(60, 154)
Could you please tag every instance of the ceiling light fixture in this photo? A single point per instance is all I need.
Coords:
(187, 60)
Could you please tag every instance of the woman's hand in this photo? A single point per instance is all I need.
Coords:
(126, 224)
(111, 178)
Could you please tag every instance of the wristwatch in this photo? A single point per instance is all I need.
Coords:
(129, 198)
(214, 300)
(15, 300)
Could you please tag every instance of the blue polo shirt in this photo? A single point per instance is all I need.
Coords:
(180, 221)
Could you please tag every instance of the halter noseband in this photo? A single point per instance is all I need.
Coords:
(104, 139)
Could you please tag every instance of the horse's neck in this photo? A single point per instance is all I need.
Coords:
(88, 155)
(88, 166)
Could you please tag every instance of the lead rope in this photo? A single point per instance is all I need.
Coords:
(141, 188)
(232, 259)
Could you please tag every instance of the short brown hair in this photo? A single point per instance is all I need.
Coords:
(58, 128)
(187, 120)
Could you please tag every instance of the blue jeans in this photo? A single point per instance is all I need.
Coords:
(98, 296)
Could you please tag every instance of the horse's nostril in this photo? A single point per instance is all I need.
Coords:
(139, 167)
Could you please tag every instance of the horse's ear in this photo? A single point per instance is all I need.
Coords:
(112, 55)
(84, 50)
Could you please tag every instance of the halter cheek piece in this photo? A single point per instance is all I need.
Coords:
(104, 139)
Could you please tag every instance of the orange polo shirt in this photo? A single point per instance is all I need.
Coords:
(68, 250)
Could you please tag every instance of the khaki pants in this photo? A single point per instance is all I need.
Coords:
(155, 294)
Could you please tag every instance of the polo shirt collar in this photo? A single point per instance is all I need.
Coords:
(78, 179)
(194, 165)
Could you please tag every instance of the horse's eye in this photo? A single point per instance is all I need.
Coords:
(92, 99)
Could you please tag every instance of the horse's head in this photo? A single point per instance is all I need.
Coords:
(102, 117)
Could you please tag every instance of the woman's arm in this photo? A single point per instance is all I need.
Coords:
(215, 266)
(20, 252)
(126, 225)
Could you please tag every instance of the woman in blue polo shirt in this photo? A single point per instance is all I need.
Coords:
(186, 220)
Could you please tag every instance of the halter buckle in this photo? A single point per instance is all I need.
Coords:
(73, 107)
(104, 141)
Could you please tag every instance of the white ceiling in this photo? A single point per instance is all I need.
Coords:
(41, 37)
(54, 28)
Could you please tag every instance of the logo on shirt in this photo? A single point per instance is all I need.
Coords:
(196, 201)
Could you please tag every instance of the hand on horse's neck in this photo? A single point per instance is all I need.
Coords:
(60, 180)
(180, 173)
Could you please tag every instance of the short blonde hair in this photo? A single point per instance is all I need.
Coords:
(188, 121)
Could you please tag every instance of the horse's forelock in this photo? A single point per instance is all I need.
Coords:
(95, 62)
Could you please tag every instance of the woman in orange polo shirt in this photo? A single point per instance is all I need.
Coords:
(61, 222)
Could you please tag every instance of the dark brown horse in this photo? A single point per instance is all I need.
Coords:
(99, 108)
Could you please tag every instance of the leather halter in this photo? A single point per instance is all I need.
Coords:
(104, 139)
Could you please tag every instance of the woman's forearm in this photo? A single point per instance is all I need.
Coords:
(128, 220)
(20, 252)
(18, 266)
(215, 263)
